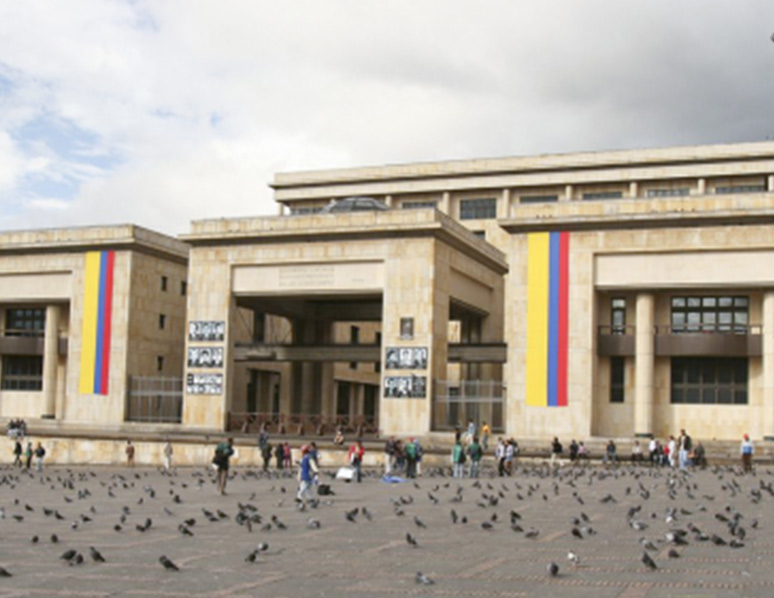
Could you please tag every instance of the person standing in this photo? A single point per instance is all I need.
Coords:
(636, 452)
(573, 450)
(485, 432)
(288, 456)
(129, 453)
(556, 451)
(40, 452)
(510, 455)
(223, 452)
(673, 457)
(458, 460)
(17, 453)
(28, 452)
(168, 450)
(685, 448)
(500, 457)
(389, 455)
(279, 454)
(355, 457)
(611, 453)
(476, 453)
(471, 432)
(266, 455)
(307, 470)
(418, 470)
(410, 449)
(747, 450)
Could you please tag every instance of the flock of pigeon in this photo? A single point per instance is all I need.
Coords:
(666, 512)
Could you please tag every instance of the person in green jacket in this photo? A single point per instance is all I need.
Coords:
(458, 460)
(476, 453)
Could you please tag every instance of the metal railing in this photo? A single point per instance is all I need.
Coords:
(698, 328)
(298, 424)
(154, 399)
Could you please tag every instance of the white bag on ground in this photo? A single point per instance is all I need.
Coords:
(345, 473)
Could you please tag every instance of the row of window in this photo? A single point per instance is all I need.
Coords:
(694, 380)
(485, 208)
(164, 285)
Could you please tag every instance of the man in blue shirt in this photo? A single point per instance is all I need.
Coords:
(307, 470)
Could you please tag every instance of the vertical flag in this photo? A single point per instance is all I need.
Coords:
(547, 318)
(97, 319)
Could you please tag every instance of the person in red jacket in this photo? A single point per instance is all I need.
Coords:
(355, 457)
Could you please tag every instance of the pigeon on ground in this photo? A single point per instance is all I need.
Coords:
(648, 562)
(423, 579)
(412, 541)
(4, 572)
(168, 565)
(573, 558)
(96, 555)
(552, 569)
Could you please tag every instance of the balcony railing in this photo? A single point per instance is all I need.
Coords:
(699, 340)
(298, 424)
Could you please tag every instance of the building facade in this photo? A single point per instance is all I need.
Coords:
(609, 294)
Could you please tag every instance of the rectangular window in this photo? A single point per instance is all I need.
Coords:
(481, 234)
(727, 314)
(417, 205)
(304, 211)
(617, 382)
(25, 321)
(478, 209)
(343, 390)
(709, 380)
(183, 288)
(671, 192)
(731, 189)
(22, 372)
(162, 321)
(525, 199)
(164, 283)
(378, 364)
(354, 339)
(602, 195)
(259, 327)
(159, 363)
(618, 315)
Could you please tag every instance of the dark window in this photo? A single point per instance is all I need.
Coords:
(22, 372)
(25, 321)
(538, 199)
(164, 283)
(343, 390)
(370, 397)
(162, 321)
(378, 364)
(672, 192)
(417, 205)
(617, 379)
(183, 287)
(603, 195)
(478, 209)
(159, 363)
(618, 315)
(303, 211)
(713, 380)
(259, 327)
(730, 189)
(354, 339)
(481, 234)
(710, 314)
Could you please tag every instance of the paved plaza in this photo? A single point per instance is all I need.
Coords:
(515, 527)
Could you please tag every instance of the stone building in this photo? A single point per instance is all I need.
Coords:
(605, 294)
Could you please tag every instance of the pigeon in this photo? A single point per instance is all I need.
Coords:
(552, 569)
(4, 572)
(412, 541)
(423, 579)
(454, 516)
(313, 524)
(577, 533)
(252, 557)
(68, 555)
(419, 523)
(76, 560)
(34, 539)
(54, 538)
(168, 565)
(673, 554)
(573, 558)
(648, 561)
(96, 556)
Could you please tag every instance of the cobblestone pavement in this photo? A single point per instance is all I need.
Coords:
(371, 557)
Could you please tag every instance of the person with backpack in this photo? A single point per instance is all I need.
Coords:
(476, 453)
(223, 452)
(458, 460)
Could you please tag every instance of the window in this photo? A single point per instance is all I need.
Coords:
(303, 211)
(671, 192)
(259, 327)
(603, 195)
(162, 321)
(354, 339)
(481, 234)
(710, 314)
(417, 205)
(378, 342)
(617, 376)
(342, 398)
(478, 209)
(709, 380)
(183, 288)
(159, 363)
(730, 189)
(25, 321)
(164, 283)
(618, 315)
(22, 372)
(538, 198)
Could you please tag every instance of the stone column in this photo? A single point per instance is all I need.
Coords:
(644, 365)
(50, 360)
(768, 365)
(445, 204)
(504, 204)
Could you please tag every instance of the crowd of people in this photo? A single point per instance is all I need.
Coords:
(16, 428)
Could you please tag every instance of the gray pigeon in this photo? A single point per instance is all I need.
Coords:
(552, 569)
(168, 565)
(423, 579)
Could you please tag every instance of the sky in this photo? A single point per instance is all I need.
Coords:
(160, 112)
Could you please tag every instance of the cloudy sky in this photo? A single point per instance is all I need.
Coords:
(158, 112)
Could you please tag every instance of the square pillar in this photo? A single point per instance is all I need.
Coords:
(644, 365)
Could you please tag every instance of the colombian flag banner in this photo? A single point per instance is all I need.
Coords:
(97, 315)
(547, 318)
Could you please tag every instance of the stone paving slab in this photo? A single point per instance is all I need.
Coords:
(371, 558)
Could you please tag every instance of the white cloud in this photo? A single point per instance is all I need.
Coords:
(184, 109)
